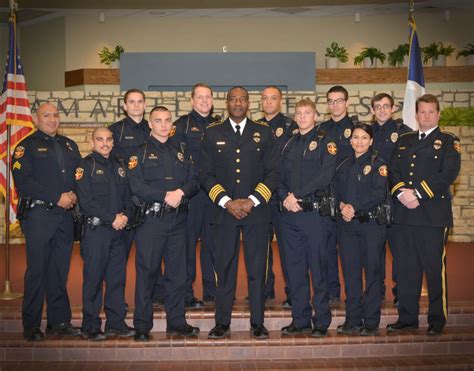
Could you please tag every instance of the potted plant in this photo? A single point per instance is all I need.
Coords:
(111, 57)
(468, 53)
(437, 53)
(399, 56)
(335, 54)
(368, 57)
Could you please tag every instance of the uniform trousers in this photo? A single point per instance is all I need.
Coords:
(49, 239)
(305, 241)
(383, 256)
(199, 227)
(360, 247)
(255, 240)
(334, 286)
(103, 253)
(158, 239)
(422, 249)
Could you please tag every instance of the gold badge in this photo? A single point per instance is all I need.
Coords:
(313, 145)
(332, 148)
(69, 147)
(394, 137)
(256, 137)
(195, 128)
(121, 172)
(367, 169)
(180, 157)
(437, 144)
(457, 146)
(173, 131)
(347, 133)
(79, 173)
(16, 165)
(19, 152)
(383, 171)
(279, 132)
(132, 162)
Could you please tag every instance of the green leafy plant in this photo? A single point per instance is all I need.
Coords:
(108, 56)
(396, 56)
(457, 116)
(372, 53)
(468, 50)
(435, 49)
(336, 51)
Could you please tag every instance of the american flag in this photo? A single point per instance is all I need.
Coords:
(15, 116)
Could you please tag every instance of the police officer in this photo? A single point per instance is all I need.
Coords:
(187, 134)
(423, 166)
(338, 127)
(283, 127)
(239, 168)
(386, 132)
(309, 164)
(43, 170)
(104, 199)
(163, 179)
(361, 193)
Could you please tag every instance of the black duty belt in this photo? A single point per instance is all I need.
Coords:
(157, 209)
(95, 222)
(48, 205)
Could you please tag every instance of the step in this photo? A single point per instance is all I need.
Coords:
(461, 313)
(239, 346)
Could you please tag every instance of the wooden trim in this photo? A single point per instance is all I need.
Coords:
(392, 75)
(92, 76)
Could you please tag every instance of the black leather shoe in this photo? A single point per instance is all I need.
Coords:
(435, 330)
(347, 328)
(319, 332)
(259, 332)
(291, 329)
(96, 335)
(125, 332)
(219, 332)
(187, 330)
(64, 329)
(141, 335)
(286, 304)
(194, 303)
(334, 300)
(33, 334)
(400, 326)
(367, 330)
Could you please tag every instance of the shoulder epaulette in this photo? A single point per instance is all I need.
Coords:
(449, 133)
(408, 132)
(215, 124)
(263, 123)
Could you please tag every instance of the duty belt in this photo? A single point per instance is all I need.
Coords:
(364, 216)
(157, 209)
(94, 222)
(48, 205)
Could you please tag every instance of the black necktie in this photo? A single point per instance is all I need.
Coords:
(237, 130)
(60, 156)
(422, 136)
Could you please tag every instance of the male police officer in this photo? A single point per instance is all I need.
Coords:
(283, 127)
(188, 132)
(309, 165)
(163, 178)
(239, 169)
(43, 169)
(386, 132)
(104, 199)
(423, 166)
(339, 128)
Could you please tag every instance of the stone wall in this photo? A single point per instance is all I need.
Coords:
(82, 111)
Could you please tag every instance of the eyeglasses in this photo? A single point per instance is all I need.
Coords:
(336, 101)
(378, 107)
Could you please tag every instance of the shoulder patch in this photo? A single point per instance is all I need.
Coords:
(19, 152)
(332, 148)
(172, 131)
(457, 145)
(132, 162)
(79, 173)
(383, 171)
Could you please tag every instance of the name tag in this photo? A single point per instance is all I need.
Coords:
(129, 137)
(42, 149)
(220, 143)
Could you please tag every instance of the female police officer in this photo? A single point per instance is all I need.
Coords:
(360, 186)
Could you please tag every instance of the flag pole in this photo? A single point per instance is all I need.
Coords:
(8, 293)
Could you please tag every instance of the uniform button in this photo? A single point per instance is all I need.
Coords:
(63, 171)
(442, 196)
(412, 165)
(411, 174)
(238, 180)
(237, 170)
(414, 156)
(237, 150)
(410, 182)
(436, 157)
(238, 160)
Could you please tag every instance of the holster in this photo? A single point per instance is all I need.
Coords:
(24, 205)
(79, 225)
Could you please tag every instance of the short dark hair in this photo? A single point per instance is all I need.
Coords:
(130, 91)
(159, 109)
(363, 126)
(273, 87)
(338, 89)
(200, 85)
(428, 98)
(306, 102)
(235, 88)
(381, 96)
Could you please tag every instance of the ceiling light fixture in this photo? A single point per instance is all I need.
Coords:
(101, 17)
(357, 17)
